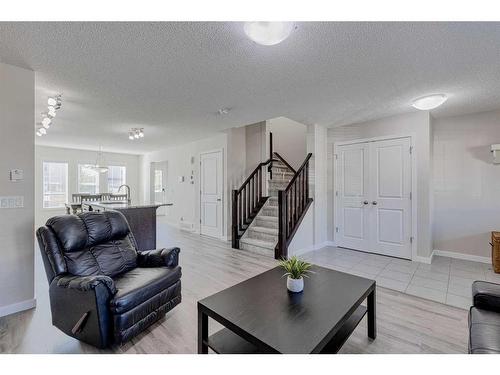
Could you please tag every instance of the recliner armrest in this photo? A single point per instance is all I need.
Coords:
(80, 307)
(486, 295)
(85, 283)
(159, 258)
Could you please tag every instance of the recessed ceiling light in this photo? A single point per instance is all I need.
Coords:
(268, 33)
(426, 103)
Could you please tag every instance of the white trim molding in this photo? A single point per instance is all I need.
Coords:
(421, 259)
(17, 307)
(314, 247)
(452, 254)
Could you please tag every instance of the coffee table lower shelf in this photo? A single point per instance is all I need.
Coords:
(226, 341)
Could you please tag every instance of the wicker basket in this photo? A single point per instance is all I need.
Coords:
(495, 251)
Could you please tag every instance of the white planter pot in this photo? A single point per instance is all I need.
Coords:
(295, 285)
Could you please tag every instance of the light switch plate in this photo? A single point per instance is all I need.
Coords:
(15, 201)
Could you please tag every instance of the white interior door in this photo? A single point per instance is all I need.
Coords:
(353, 195)
(374, 197)
(211, 190)
(159, 185)
(390, 203)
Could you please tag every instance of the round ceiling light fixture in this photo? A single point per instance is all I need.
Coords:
(428, 102)
(268, 33)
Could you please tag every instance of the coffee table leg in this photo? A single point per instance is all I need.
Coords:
(372, 320)
(202, 332)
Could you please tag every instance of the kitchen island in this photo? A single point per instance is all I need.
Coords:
(141, 218)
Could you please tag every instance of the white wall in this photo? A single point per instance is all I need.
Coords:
(318, 180)
(416, 124)
(17, 109)
(289, 140)
(74, 157)
(466, 183)
(256, 145)
(183, 160)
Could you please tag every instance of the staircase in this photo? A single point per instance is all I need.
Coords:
(262, 234)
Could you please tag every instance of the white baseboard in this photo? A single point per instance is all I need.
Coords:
(452, 254)
(313, 247)
(17, 307)
(426, 260)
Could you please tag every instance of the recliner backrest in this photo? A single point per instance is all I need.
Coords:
(90, 243)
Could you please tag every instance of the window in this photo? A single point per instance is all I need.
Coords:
(55, 184)
(158, 180)
(88, 179)
(116, 178)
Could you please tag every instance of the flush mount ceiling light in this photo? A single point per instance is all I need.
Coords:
(268, 33)
(426, 103)
(223, 111)
(136, 133)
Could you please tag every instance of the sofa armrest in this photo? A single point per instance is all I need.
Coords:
(486, 295)
(159, 257)
(80, 307)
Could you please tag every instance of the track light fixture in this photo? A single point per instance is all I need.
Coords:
(135, 133)
(54, 103)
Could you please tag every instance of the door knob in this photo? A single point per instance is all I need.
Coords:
(374, 203)
(365, 202)
(218, 199)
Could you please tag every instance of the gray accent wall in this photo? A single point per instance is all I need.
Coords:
(17, 109)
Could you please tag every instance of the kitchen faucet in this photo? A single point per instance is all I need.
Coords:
(128, 191)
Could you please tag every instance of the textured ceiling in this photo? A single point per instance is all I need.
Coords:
(171, 78)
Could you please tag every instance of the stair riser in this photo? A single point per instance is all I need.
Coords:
(266, 223)
(272, 202)
(263, 236)
(270, 211)
(257, 249)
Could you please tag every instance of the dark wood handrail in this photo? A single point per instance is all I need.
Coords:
(255, 171)
(302, 167)
(293, 203)
(284, 162)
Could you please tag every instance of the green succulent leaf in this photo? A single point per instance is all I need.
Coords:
(295, 268)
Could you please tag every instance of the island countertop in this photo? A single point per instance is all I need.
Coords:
(120, 205)
(141, 218)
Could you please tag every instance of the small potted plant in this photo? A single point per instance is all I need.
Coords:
(296, 270)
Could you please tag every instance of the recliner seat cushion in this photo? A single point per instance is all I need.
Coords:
(141, 284)
(484, 331)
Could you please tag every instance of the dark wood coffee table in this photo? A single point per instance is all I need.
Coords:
(261, 316)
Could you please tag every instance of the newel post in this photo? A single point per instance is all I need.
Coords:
(234, 226)
(281, 250)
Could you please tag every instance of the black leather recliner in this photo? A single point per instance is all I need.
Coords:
(102, 290)
(484, 318)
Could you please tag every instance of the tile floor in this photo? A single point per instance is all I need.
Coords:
(446, 280)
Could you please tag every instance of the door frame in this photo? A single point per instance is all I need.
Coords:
(414, 198)
(223, 199)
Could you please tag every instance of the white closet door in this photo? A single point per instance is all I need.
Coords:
(390, 187)
(211, 185)
(353, 197)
